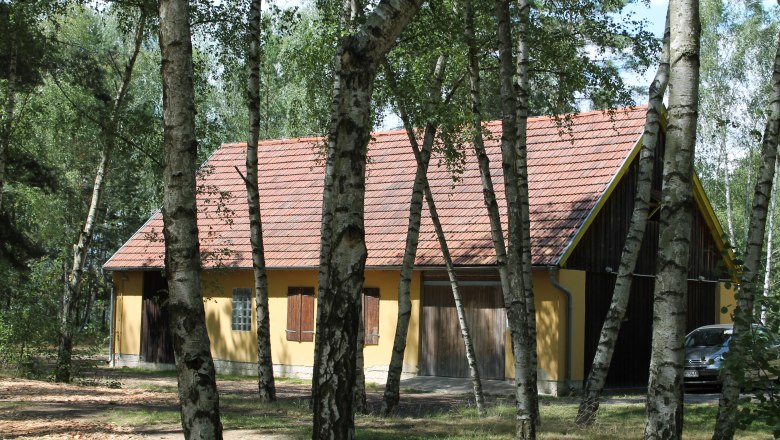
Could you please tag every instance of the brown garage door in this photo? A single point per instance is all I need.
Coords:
(442, 352)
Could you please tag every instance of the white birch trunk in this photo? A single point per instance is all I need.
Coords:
(521, 167)
(265, 368)
(391, 395)
(471, 357)
(72, 290)
(724, 157)
(198, 397)
(342, 249)
(599, 369)
(665, 393)
(769, 246)
(488, 190)
(517, 309)
(750, 282)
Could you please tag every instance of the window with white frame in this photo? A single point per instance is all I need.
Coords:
(242, 309)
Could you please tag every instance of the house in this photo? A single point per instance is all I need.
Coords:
(582, 181)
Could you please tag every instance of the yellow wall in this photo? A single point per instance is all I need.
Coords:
(551, 306)
(574, 281)
(241, 346)
(387, 282)
(127, 312)
(725, 299)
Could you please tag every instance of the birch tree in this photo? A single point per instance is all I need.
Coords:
(72, 288)
(750, 279)
(342, 246)
(471, 358)
(769, 245)
(597, 377)
(198, 397)
(664, 408)
(477, 139)
(391, 395)
(265, 368)
(422, 158)
(518, 310)
(523, 229)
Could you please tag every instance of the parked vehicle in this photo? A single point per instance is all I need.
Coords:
(706, 346)
(704, 349)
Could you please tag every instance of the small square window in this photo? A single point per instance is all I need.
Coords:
(242, 310)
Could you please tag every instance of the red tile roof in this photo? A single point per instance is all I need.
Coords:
(570, 167)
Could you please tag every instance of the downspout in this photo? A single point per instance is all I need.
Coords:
(111, 327)
(553, 272)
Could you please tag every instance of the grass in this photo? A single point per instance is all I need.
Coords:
(293, 418)
(454, 419)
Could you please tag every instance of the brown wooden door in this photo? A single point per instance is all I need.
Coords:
(442, 351)
(156, 342)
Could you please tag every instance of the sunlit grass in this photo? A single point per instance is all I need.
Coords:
(454, 419)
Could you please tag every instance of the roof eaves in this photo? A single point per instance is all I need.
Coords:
(129, 241)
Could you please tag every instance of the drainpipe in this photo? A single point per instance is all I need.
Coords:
(553, 272)
(111, 328)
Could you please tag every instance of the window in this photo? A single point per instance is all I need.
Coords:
(371, 315)
(300, 314)
(242, 310)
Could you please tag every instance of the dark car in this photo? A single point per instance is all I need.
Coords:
(704, 350)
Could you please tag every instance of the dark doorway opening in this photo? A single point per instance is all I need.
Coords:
(156, 341)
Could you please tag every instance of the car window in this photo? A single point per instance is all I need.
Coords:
(710, 337)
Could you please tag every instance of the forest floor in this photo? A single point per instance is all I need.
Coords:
(133, 404)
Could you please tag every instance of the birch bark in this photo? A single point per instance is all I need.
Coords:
(515, 302)
(521, 168)
(769, 246)
(488, 191)
(361, 405)
(664, 408)
(750, 282)
(589, 404)
(724, 157)
(198, 397)
(265, 368)
(391, 395)
(72, 290)
(342, 246)
(471, 357)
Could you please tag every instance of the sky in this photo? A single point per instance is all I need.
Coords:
(655, 14)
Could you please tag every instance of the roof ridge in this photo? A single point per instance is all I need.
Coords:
(402, 131)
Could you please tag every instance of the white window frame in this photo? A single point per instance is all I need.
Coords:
(241, 319)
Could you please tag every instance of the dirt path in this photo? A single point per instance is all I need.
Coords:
(89, 410)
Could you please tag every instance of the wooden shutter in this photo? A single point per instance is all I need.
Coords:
(307, 314)
(371, 315)
(300, 314)
(293, 314)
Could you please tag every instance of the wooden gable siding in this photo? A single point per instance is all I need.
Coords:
(601, 246)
